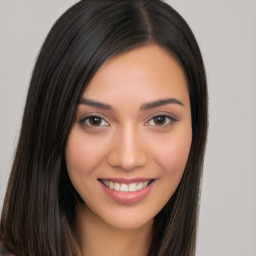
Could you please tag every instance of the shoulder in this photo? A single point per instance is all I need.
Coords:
(3, 251)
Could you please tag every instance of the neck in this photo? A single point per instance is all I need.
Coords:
(98, 238)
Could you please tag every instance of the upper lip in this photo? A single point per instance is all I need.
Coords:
(127, 180)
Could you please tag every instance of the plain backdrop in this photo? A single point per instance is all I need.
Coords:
(226, 33)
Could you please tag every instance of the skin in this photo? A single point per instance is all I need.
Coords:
(128, 142)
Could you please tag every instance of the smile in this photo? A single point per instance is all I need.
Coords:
(127, 191)
(123, 187)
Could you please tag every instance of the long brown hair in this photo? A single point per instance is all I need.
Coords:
(40, 202)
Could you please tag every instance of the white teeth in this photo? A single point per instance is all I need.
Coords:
(117, 186)
(132, 187)
(145, 183)
(140, 185)
(122, 187)
(111, 185)
(105, 182)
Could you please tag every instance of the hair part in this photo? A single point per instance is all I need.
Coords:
(40, 203)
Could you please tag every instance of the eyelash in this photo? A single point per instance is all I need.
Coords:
(87, 119)
(168, 120)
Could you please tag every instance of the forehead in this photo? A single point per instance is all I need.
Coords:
(142, 73)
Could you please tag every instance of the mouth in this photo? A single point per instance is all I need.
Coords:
(125, 186)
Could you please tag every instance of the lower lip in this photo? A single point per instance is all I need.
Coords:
(128, 197)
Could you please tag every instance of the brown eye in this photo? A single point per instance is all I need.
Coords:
(94, 121)
(161, 120)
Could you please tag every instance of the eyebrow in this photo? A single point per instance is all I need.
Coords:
(161, 102)
(145, 106)
(95, 103)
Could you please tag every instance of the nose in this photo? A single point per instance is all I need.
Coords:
(128, 151)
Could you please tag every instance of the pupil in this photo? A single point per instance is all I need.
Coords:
(159, 120)
(95, 120)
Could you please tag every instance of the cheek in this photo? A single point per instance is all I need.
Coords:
(83, 153)
(171, 153)
(171, 156)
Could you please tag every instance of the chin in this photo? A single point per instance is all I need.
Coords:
(130, 223)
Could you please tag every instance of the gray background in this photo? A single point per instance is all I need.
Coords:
(226, 32)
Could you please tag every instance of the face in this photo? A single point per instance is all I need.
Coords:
(128, 148)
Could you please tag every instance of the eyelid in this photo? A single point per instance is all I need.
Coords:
(86, 117)
(169, 116)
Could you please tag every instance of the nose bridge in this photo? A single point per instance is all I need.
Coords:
(129, 142)
(128, 151)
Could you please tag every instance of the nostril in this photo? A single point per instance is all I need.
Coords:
(126, 160)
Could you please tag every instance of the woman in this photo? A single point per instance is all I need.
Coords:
(110, 154)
